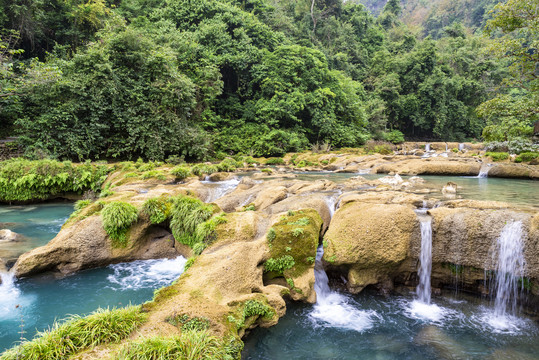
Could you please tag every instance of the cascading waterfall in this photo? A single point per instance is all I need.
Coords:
(220, 188)
(423, 290)
(336, 310)
(510, 267)
(421, 307)
(461, 147)
(483, 172)
(9, 296)
(427, 147)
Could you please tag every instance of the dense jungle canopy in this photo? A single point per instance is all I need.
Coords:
(122, 79)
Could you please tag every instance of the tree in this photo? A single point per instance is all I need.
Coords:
(513, 112)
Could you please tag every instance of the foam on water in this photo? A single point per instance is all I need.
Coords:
(430, 312)
(11, 297)
(336, 310)
(145, 273)
(488, 321)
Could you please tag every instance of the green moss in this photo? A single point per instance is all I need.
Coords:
(186, 323)
(117, 218)
(189, 263)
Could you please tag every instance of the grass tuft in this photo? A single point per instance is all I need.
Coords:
(118, 217)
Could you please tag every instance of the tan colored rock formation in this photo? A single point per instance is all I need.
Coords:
(514, 171)
(370, 240)
(432, 166)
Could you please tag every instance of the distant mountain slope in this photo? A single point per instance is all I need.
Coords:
(434, 15)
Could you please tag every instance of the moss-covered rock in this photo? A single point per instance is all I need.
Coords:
(369, 240)
(293, 241)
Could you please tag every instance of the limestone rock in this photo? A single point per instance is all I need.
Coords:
(8, 235)
(371, 240)
(86, 245)
(433, 166)
(220, 176)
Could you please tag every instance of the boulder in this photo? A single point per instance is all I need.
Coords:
(220, 176)
(86, 245)
(8, 235)
(432, 166)
(514, 171)
(370, 240)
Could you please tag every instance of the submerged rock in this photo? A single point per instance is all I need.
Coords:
(445, 346)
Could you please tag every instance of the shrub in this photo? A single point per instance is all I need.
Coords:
(275, 161)
(157, 209)
(23, 180)
(187, 214)
(498, 156)
(227, 165)
(78, 333)
(280, 264)
(181, 172)
(380, 147)
(526, 156)
(203, 169)
(175, 159)
(190, 345)
(117, 218)
(394, 137)
(205, 232)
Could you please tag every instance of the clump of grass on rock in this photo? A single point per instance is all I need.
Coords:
(117, 218)
(79, 333)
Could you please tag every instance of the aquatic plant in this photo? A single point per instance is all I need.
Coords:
(78, 333)
(117, 218)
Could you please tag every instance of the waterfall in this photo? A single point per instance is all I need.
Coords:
(336, 310)
(509, 268)
(483, 172)
(9, 295)
(427, 147)
(461, 147)
(220, 188)
(423, 290)
(332, 202)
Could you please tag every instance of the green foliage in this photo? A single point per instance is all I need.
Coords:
(257, 308)
(395, 137)
(275, 161)
(279, 265)
(526, 157)
(81, 204)
(227, 165)
(23, 180)
(189, 324)
(304, 221)
(271, 236)
(187, 214)
(78, 333)
(190, 345)
(297, 232)
(203, 169)
(117, 218)
(498, 156)
(181, 172)
(157, 209)
(189, 263)
(250, 207)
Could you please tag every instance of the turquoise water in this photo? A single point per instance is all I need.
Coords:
(37, 223)
(387, 328)
(35, 303)
(514, 191)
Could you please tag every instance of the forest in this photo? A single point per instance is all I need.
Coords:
(205, 79)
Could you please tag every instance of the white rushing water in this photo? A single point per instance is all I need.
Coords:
(335, 310)
(421, 307)
(145, 273)
(483, 172)
(423, 290)
(427, 147)
(510, 268)
(220, 188)
(11, 297)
